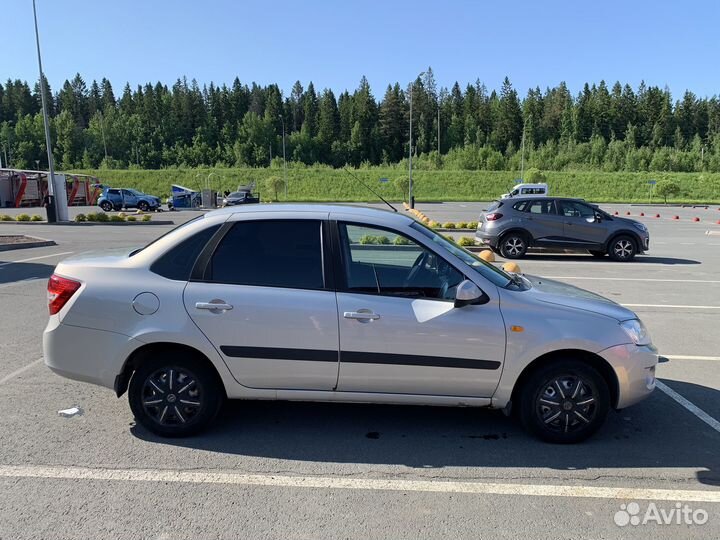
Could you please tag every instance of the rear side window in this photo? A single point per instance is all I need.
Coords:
(540, 207)
(282, 253)
(179, 261)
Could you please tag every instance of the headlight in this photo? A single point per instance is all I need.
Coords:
(640, 226)
(636, 330)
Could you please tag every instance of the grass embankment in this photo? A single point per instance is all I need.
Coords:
(325, 184)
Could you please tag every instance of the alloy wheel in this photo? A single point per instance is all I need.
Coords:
(623, 248)
(514, 246)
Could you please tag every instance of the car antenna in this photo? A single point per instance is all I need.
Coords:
(369, 189)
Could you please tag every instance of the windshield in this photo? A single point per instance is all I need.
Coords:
(485, 269)
(135, 192)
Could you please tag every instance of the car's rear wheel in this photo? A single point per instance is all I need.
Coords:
(106, 206)
(144, 206)
(175, 396)
(598, 254)
(513, 246)
(622, 248)
(564, 402)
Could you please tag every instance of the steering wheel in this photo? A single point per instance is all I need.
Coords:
(416, 267)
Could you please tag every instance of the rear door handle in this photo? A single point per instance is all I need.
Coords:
(213, 305)
(361, 315)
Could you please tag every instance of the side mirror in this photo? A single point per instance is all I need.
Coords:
(469, 294)
(592, 219)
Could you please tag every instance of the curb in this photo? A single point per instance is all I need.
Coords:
(40, 242)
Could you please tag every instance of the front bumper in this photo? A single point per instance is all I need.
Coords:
(634, 368)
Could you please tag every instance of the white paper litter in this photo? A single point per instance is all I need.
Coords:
(72, 411)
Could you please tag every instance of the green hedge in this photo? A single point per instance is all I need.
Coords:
(326, 184)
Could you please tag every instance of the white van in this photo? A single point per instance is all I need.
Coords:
(526, 190)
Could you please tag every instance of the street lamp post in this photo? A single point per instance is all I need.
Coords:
(410, 152)
(282, 119)
(51, 210)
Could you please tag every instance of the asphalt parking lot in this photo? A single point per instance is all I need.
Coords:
(306, 470)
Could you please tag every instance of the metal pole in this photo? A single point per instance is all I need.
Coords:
(522, 155)
(51, 211)
(410, 182)
(284, 161)
(438, 129)
(102, 130)
(410, 151)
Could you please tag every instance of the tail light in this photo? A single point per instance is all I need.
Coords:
(59, 291)
(493, 216)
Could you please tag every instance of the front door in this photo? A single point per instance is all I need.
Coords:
(581, 224)
(399, 329)
(265, 305)
(130, 200)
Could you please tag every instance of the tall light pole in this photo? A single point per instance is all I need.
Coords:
(410, 151)
(284, 161)
(51, 211)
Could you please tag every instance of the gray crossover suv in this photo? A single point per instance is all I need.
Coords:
(510, 227)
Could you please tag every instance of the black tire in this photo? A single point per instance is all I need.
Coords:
(156, 390)
(144, 206)
(106, 206)
(598, 254)
(513, 245)
(580, 410)
(622, 248)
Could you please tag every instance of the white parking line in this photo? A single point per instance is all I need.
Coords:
(596, 278)
(671, 306)
(37, 258)
(17, 372)
(686, 357)
(702, 415)
(334, 482)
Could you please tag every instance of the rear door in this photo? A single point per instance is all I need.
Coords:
(265, 300)
(541, 219)
(399, 329)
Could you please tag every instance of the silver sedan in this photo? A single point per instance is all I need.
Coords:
(338, 303)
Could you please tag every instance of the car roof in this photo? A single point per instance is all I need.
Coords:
(351, 209)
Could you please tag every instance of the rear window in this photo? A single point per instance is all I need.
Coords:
(179, 261)
(249, 254)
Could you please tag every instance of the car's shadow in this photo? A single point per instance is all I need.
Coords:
(657, 433)
(14, 272)
(641, 259)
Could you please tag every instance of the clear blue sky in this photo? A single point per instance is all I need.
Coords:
(333, 43)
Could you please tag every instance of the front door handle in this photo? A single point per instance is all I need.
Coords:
(361, 315)
(214, 305)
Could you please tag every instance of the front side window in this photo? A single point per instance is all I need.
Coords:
(576, 209)
(277, 253)
(387, 263)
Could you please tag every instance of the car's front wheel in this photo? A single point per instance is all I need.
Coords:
(175, 396)
(144, 206)
(513, 246)
(622, 249)
(564, 402)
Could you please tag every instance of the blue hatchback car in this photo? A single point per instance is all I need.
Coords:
(116, 199)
